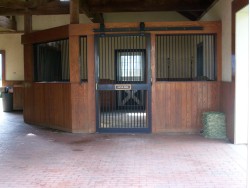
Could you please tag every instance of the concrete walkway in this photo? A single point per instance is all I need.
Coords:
(39, 157)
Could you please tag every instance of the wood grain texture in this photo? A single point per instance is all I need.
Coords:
(91, 84)
(48, 35)
(180, 105)
(227, 106)
(74, 11)
(28, 63)
(48, 104)
(74, 59)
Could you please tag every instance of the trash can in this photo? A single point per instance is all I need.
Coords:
(7, 102)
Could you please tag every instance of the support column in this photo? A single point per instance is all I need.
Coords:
(74, 11)
(27, 23)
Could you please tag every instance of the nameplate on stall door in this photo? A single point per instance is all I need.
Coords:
(123, 87)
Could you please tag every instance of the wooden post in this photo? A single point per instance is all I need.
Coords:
(74, 11)
(27, 23)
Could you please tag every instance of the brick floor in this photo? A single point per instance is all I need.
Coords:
(39, 157)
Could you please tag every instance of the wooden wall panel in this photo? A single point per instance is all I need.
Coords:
(79, 108)
(48, 104)
(180, 105)
(18, 97)
(28, 103)
(227, 106)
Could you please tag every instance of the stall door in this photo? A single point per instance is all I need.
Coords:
(123, 83)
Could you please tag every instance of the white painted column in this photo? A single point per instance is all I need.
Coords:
(242, 77)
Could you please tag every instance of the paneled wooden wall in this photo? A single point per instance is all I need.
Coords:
(48, 104)
(227, 106)
(178, 106)
(18, 94)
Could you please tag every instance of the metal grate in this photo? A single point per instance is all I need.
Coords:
(187, 57)
(51, 61)
(122, 83)
(83, 58)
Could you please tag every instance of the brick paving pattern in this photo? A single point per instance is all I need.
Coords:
(38, 157)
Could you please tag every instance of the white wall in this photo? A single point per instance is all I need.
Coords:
(14, 66)
(49, 21)
(222, 12)
(45, 22)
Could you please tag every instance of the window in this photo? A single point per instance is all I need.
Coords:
(51, 61)
(130, 65)
(187, 57)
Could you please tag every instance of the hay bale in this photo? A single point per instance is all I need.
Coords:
(214, 125)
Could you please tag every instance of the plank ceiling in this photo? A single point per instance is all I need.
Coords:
(192, 9)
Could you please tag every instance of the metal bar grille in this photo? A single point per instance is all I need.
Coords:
(122, 62)
(51, 61)
(187, 57)
(83, 58)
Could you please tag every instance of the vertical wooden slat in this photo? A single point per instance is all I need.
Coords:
(172, 105)
(200, 103)
(189, 106)
(195, 107)
(178, 106)
(183, 105)
(167, 106)
(160, 108)
(205, 96)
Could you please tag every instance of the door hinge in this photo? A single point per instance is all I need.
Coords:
(96, 86)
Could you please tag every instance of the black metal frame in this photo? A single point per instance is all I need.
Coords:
(185, 69)
(109, 87)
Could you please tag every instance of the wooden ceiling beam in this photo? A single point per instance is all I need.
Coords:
(193, 16)
(21, 4)
(94, 17)
(8, 23)
(37, 7)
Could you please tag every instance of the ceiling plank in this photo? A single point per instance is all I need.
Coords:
(193, 16)
(146, 5)
(8, 23)
(38, 7)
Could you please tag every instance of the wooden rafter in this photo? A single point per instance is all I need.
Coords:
(45, 7)
(94, 9)
(94, 17)
(34, 7)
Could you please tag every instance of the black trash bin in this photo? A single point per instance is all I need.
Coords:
(7, 102)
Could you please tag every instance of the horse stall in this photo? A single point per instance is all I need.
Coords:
(130, 77)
